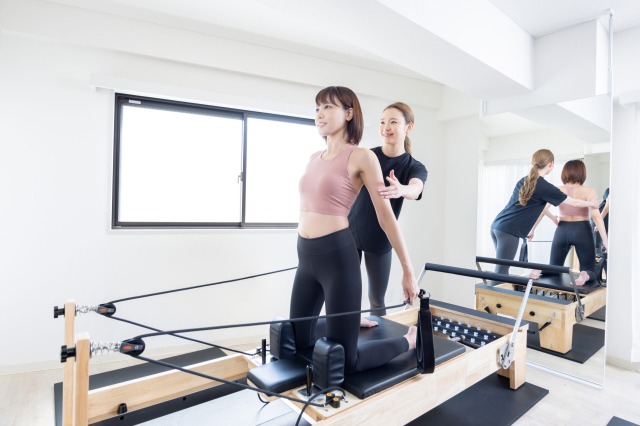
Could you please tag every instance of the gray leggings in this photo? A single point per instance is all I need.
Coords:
(378, 270)
(506, 248)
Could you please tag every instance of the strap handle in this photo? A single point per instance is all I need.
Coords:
(425, 351)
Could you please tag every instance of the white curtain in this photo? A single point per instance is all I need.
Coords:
(496, 186)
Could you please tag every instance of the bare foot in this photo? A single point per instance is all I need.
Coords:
(582, 278)
(535, 274)
(366, 323)
(411, 336)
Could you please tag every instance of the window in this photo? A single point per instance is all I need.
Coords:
(185, 165)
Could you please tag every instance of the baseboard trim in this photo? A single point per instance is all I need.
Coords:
(623, 363)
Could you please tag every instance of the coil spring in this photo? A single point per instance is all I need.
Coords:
(102, 348)
(85, 309)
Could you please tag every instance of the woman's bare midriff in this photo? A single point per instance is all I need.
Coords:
(573, 218)
(315, 225)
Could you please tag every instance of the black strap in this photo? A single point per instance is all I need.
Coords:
(524, 252)
(193, 287)
(425, 352)
(601, 267)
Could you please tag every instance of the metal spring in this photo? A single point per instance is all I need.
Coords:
(101, 348)
(85, 309)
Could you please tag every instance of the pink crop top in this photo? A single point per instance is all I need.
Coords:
(567, 210)
(325, 187)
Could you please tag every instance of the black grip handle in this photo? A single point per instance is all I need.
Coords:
(541, 266)
(309, 372)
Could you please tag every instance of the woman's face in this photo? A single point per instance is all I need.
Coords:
(332, 118)
(393, 127)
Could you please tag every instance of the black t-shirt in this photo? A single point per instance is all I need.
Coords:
(363, 222)
(516, 219)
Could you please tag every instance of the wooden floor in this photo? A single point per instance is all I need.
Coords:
(27, 398)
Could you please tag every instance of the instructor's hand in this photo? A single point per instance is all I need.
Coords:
(410, 287)
(395, 188)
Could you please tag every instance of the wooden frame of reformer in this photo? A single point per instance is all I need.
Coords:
(558, 336)
(398, 404)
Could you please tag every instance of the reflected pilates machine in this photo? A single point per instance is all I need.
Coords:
(490, 344)
(555, 303)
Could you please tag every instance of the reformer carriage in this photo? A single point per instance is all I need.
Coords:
(468, 346)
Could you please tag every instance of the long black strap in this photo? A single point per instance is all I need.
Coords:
(425, 351)
(158, 293)
(524, 251)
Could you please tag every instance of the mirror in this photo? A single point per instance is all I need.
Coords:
(506, 158)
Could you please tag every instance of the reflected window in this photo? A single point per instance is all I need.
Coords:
(185, 165)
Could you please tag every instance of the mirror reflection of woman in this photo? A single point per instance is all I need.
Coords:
(529, 203)
(574, 227)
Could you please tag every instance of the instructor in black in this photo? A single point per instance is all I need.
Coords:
(405, 178)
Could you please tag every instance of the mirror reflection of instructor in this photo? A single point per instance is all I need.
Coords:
(405, 178)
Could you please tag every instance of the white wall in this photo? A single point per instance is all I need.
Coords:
(55, 165)
(623, 303)
(463, 142)
(55, 169)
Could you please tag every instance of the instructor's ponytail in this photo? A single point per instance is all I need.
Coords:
(539, 161)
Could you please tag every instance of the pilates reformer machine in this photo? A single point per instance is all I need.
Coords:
(463, 345)
(556, 303)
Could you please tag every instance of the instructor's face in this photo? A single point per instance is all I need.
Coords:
(393, 127)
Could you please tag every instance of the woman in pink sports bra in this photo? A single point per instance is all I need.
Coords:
(574, 228)
(328, 264)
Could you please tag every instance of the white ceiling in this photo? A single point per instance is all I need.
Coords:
(302, 26)
(260, 22)
(541, 17)
(263, 22)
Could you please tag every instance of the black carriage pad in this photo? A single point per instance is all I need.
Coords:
(445, 349)
(280, 375)
(271, 376)
(370, 382)
(563, 282)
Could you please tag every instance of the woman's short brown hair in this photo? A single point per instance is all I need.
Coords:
(574, 172)
(345, 97)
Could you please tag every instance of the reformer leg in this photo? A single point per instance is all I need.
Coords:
(516, 371)
(68, 371)
(83, 354)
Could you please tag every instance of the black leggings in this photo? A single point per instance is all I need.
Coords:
(579, 235)
(378, 271)
(329, 272)
(506, 246)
